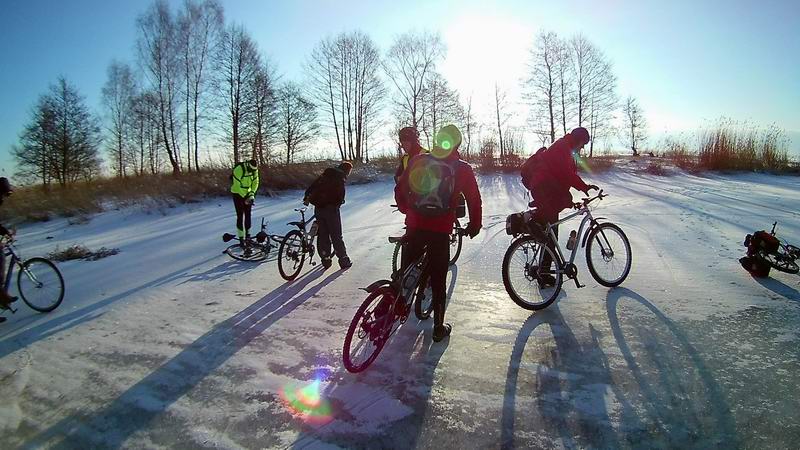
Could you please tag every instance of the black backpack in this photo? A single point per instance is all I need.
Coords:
(432, 185)
(530, 166)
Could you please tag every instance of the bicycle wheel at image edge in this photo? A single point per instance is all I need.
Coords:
(40, 284)
(368, 332)
(291, 255)
(456, 240)
(521, 274)
(608, 255)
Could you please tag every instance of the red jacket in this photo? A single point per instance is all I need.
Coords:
(465, 183)
(556, 175)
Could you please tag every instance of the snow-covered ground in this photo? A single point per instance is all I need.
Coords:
(172, 344)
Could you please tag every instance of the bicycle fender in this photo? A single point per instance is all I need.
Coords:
(594, 224)
(378, 284)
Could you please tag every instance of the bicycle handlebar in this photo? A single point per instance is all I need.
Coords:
(586, 200)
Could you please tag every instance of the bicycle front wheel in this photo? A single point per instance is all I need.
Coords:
(608, 255)
(456, 240)
(291, 255)
(40, 284)
(369, 330)
(531, 281)
(255, 253)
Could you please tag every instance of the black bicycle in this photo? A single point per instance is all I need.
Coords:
(39, 281)
(456, 241)
(784, 257)
(534, 267)
(386, 308)
(296, 245)
(251, 248)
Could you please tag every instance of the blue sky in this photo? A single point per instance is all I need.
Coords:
(687, 62)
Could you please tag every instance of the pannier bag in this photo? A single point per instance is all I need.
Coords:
(756, 265)
(523, 223)
(761, 241)
(461, 208)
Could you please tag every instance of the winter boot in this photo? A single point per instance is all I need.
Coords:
(440, 329)
(345, 263)
(327, 262)
(546, 280)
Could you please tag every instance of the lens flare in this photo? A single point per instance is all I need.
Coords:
(307, 402)
(424, 179)
(582, 163)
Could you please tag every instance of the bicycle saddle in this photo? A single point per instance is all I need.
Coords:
(395, 239)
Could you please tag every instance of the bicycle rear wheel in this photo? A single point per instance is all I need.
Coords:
(781, 260)
(608, 255)
(291, 255)
(369, 330)
(40, 284)
(525, 277)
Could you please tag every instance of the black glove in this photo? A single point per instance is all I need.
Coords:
(472, 230)
(3, 231)
(591, 187)
(249, 200)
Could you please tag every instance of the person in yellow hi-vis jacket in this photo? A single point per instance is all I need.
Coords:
(244, 184)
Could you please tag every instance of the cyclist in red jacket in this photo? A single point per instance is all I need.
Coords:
(427, 193)
(5, 298)
(550, 183)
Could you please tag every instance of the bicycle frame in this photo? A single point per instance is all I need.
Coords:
(587, 219)
(13, 260)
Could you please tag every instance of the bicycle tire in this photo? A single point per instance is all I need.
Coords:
(604, 230)
(33, 275)
(260, 252)
(377, 336)
(547, 294)
(291, 252)
(396, 257)
(781, 260)
(422, 308)
(456, 241)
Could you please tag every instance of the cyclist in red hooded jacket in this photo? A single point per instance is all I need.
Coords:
(427, 193)
(555, 174)
(5, 298)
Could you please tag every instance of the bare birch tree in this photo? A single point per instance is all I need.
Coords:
(201, 25)
(118, 95)
(346, 85)
(297, 119)
(440, 107)
(158, 56)
(541, 84)
(239, 63)
(635, 125)
(409, 64)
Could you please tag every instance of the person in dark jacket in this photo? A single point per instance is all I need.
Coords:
(432, 232)
(327, 193)
(409, 142)
(5, 299)
(550, 183)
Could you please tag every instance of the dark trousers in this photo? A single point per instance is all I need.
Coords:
(438, 247)
(329, 231)
(542, 217)
(242, 216)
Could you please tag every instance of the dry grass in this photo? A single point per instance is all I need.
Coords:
(81, 252)
(734, 146)
(34, 204)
